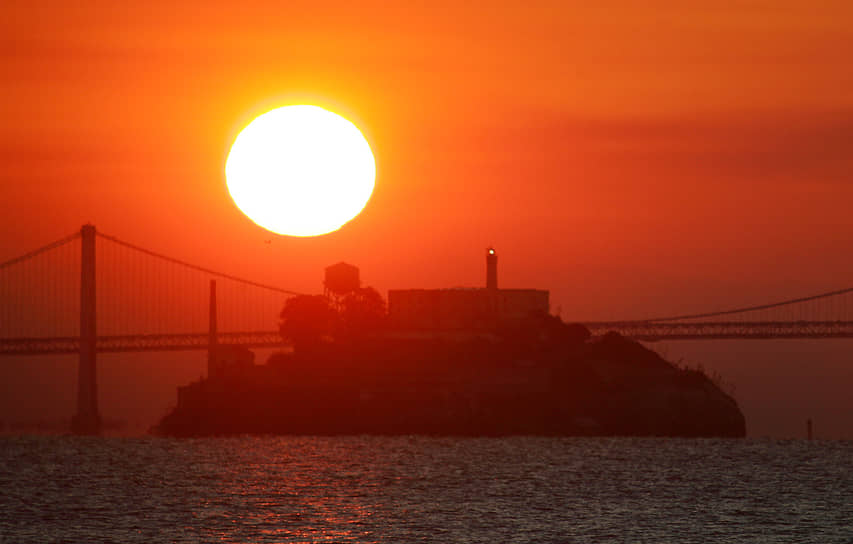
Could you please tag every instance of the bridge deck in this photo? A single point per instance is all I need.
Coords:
(638, 330)
(725, 330)
(144, 342)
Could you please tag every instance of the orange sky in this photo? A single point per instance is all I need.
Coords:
(633, 159)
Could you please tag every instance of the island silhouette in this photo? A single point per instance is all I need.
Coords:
(456, 362)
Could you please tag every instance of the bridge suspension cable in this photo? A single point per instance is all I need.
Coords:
(39, 291)
(43, 249)
(195, 267)
(751, 308)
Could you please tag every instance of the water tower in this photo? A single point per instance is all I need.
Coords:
(341, 280)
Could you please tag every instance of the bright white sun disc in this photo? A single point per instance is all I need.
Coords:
(300, 171)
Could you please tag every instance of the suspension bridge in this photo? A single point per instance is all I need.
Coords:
(91, 293)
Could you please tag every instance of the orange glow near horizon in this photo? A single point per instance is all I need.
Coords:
(702, 144)
(300, 171)
(633, 158)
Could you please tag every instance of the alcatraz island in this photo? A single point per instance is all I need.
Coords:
(462, 362)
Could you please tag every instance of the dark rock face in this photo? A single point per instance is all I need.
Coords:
(472, 387)
(639, 393)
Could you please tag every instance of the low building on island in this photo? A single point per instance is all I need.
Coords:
(464, 309)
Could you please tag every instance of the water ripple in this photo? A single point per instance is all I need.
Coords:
(402, 489)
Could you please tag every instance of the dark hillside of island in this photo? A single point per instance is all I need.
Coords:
(537, 376)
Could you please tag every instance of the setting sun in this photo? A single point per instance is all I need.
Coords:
(300, 171)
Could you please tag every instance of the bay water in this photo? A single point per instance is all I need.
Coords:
(424, 489)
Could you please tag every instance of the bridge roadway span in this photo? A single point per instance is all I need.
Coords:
(141, 342)
(639, 330)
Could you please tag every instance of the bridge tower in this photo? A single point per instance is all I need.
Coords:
(87, 420)
(212, 337)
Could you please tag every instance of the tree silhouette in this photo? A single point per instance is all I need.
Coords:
(362, 311)
(306, 320)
